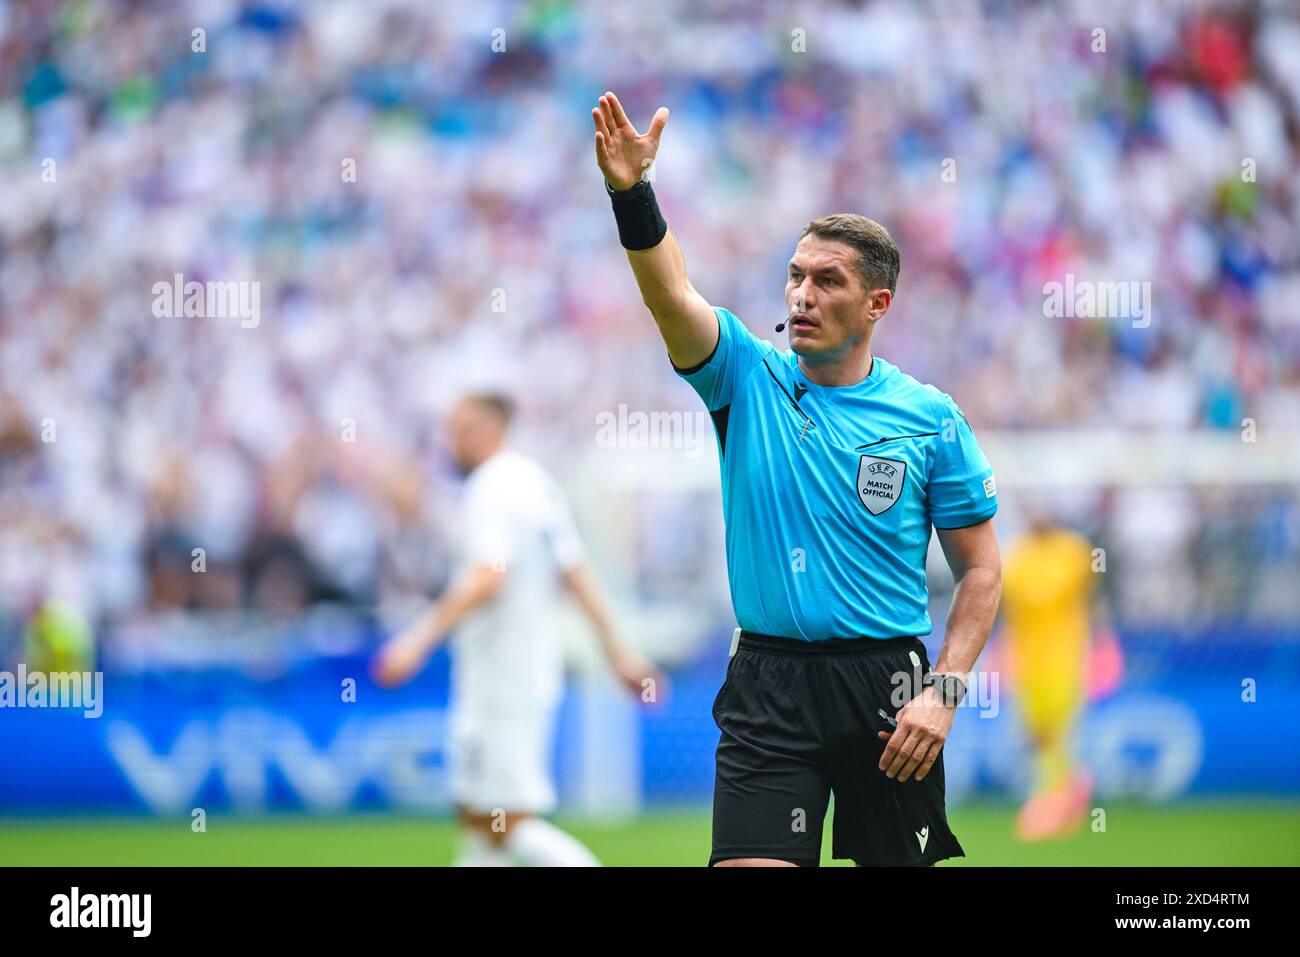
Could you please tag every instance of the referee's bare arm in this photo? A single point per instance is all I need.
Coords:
(924, 722)
(686, 321)
(976, 564)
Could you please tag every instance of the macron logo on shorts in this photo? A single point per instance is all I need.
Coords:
(923, 835)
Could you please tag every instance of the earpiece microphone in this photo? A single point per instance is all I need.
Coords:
(798, 307)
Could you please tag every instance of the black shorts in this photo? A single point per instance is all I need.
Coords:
(799, 720)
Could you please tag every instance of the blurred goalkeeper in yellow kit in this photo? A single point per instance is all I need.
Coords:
(1051, 602)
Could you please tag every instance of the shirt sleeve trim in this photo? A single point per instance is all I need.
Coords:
(984, 517)
(700, 365)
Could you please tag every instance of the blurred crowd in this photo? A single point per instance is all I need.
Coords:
(412, 186)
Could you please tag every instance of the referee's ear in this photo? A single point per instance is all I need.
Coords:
(878, 301)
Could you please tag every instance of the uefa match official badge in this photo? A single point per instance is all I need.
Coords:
(880, 482)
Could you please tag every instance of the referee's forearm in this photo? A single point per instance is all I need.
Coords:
(685, 320)
(660, 273)
(974, 608)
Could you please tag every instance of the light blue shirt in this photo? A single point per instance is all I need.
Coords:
(829, 492)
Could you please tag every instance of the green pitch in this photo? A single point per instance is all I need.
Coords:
(1185, 834)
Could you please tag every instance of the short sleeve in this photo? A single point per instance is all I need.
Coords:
(961, 488)
(736, 354)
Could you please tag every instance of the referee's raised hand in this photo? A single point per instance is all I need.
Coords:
(622, 153)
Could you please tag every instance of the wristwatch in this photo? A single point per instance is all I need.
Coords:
(951, 687)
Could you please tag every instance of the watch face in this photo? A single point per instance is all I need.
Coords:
(952, 689)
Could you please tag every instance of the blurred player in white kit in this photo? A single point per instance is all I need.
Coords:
(518, 543)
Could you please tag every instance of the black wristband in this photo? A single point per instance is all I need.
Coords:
(640, 224)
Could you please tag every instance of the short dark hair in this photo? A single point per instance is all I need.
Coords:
(878, 261)
(497, 403)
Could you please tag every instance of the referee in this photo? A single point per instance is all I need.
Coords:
(835, 466)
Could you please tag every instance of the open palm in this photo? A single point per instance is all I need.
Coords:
(622, 153)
